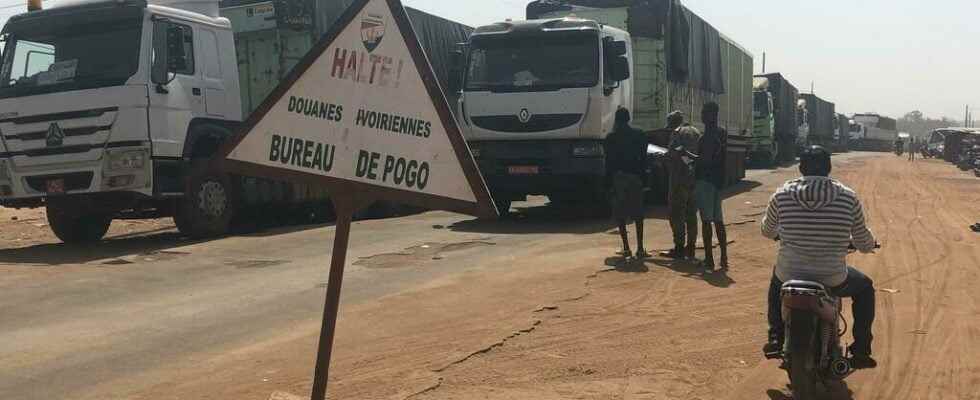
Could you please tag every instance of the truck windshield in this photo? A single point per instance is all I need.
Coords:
(62, 56)
(530, 64)
(761, 106)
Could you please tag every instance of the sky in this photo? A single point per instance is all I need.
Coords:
(889, 57)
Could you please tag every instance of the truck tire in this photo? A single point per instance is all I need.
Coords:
(77, 229)
(208, 205)
(503, 207)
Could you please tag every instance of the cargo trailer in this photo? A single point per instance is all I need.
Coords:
(785, 122)
(822, 121)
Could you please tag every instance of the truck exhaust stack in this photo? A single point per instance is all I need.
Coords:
(34, 5)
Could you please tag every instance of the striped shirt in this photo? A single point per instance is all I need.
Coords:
(816, 219)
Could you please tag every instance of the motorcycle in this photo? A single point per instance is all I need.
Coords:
(814, 325)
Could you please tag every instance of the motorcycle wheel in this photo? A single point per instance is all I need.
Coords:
(802, 361)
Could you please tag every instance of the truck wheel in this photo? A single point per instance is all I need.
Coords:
(77, 229)
(208, 205)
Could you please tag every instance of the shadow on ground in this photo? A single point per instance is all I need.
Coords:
(692, 269)
(155, 243)
(551, 218)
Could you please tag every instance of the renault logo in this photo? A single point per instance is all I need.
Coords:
(524, 116)
(55, 136)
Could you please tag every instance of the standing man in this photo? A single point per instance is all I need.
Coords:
(913, 147)
(709, 174)
(680, 165)
(626, 150)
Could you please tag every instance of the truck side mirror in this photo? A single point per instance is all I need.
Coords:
(161, 69)
(619, 69)
(455, 71)
(616, 48)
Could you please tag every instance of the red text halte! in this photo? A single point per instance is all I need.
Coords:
(363, 67)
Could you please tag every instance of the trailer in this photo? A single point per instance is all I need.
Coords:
(822, 120)
(784, 114)
(873, 132)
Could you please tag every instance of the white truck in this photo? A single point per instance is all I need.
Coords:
(873, 132)
(538, 99)
(112, 109)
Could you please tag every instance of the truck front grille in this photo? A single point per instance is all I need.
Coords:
(537, 123)
(73, 181)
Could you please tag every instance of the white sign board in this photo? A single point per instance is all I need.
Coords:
(364, 111)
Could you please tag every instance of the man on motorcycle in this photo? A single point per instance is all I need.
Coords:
(817, 219)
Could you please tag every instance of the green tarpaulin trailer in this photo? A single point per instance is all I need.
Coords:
(681, 63)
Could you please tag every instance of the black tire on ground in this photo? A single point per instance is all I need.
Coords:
(77, 229)
(207, 208)
(802, 358)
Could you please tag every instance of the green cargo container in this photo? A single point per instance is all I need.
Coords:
(716, 68)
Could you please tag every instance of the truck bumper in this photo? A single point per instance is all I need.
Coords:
(515, 169)
(31, 186)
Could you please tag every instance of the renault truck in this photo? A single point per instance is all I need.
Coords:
(113, 109)
(538, 97)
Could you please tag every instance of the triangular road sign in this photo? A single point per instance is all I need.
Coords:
(363, 112)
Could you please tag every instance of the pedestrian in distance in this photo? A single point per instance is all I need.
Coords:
(626, 150)
(709, 174)
(681, 203)
(913, 148)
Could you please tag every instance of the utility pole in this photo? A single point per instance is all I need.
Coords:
(763, 62)
(966, 119)
(811, 88)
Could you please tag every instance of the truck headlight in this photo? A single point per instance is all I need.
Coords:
(127, 160)
(590, 149)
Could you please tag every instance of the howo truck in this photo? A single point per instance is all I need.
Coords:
(539, 96)
(113, 109)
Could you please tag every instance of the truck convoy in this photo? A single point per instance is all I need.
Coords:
(112, 109)
(821, 121)
(776, 120)
(873, 132)
(539, 96)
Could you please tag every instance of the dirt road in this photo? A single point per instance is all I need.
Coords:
(438, 306)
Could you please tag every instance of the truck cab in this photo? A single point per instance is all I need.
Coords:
(106, 105)
(762, 144)
(538, 99)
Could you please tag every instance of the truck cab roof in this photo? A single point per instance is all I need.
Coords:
(537, 26)
(33, 17)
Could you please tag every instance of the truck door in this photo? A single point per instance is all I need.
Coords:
(174, 105)
(216, 104)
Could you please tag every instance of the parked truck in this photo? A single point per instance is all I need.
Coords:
(775, 118)
(821, 121)
(539, 96)
(873, 132)
(112, 109)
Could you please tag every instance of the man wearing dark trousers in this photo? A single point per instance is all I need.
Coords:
(709, 174)
(816, 219)
(626, 150)
(683, 210)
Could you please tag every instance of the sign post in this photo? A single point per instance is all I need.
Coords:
(363, 115)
